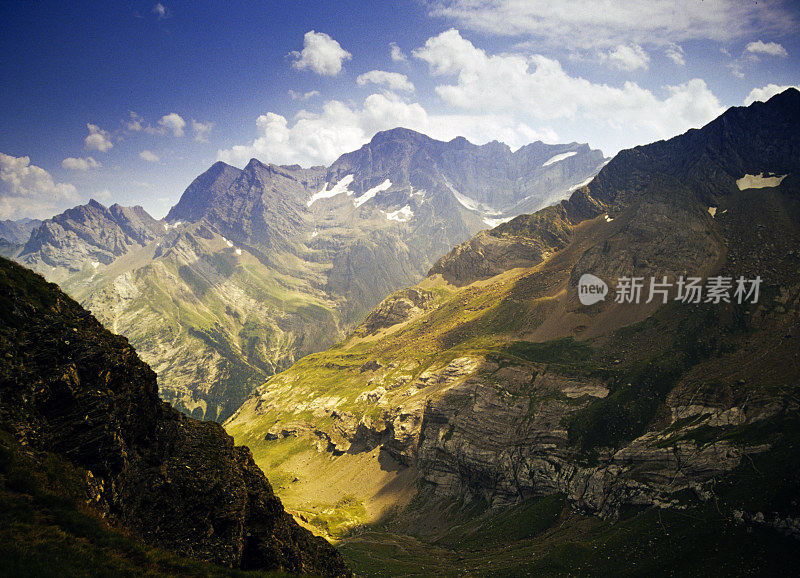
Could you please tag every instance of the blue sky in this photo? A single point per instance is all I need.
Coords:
(129, 101)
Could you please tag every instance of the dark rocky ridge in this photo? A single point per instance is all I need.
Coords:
(71, 387)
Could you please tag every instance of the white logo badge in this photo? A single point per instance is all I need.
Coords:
(591, 289)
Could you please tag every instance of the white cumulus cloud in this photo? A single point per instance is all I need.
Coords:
(397, 52)
(303, 95)
(764, 93)
(29, 191)
(320, 54)
(538, 87)
(201, 130)
(134, 122)
(627, 57)
(766, 48)
(149, 156)
(173, 122)
(80, 164)
(392, 80)
(98, 139)
(676, 54)
(161, 11)
(315, 138)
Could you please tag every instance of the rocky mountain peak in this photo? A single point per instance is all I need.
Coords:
(86, 234)
(460, 142)
(254, 164)
(19, 231)
(202, 193)
(398, 134)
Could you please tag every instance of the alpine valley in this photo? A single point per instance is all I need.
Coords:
(399, 341)
(484, 422)
(256, 268)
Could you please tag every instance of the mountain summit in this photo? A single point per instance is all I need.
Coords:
(254, 268)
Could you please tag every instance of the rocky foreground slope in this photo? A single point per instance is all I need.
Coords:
(489, 384)
(257, 267)
(72, 389)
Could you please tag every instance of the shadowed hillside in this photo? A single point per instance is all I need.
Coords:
(85, 437)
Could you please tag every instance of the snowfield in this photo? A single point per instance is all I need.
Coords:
(338, 189)
(555, 159)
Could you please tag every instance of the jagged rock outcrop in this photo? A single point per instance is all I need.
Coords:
(70, 387)
(400, 307)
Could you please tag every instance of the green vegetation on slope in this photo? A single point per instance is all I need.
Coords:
(637, 391)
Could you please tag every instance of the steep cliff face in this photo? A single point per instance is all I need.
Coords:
(499, 385)
(70, 387)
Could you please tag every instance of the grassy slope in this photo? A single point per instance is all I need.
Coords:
(206, 315)
(544, 540)
(483, 319)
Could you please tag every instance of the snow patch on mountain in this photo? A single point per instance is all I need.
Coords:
(759, 181)
(358, 201)
(400, 215)
(561, 157)
(494, 222)
(579, 185)
(338, 189)
(472, 204)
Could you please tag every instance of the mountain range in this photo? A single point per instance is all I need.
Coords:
(437, 397)
(475, 419)
(17, 232)
(255, 268)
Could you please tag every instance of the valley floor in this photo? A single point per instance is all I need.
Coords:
(543, 537)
